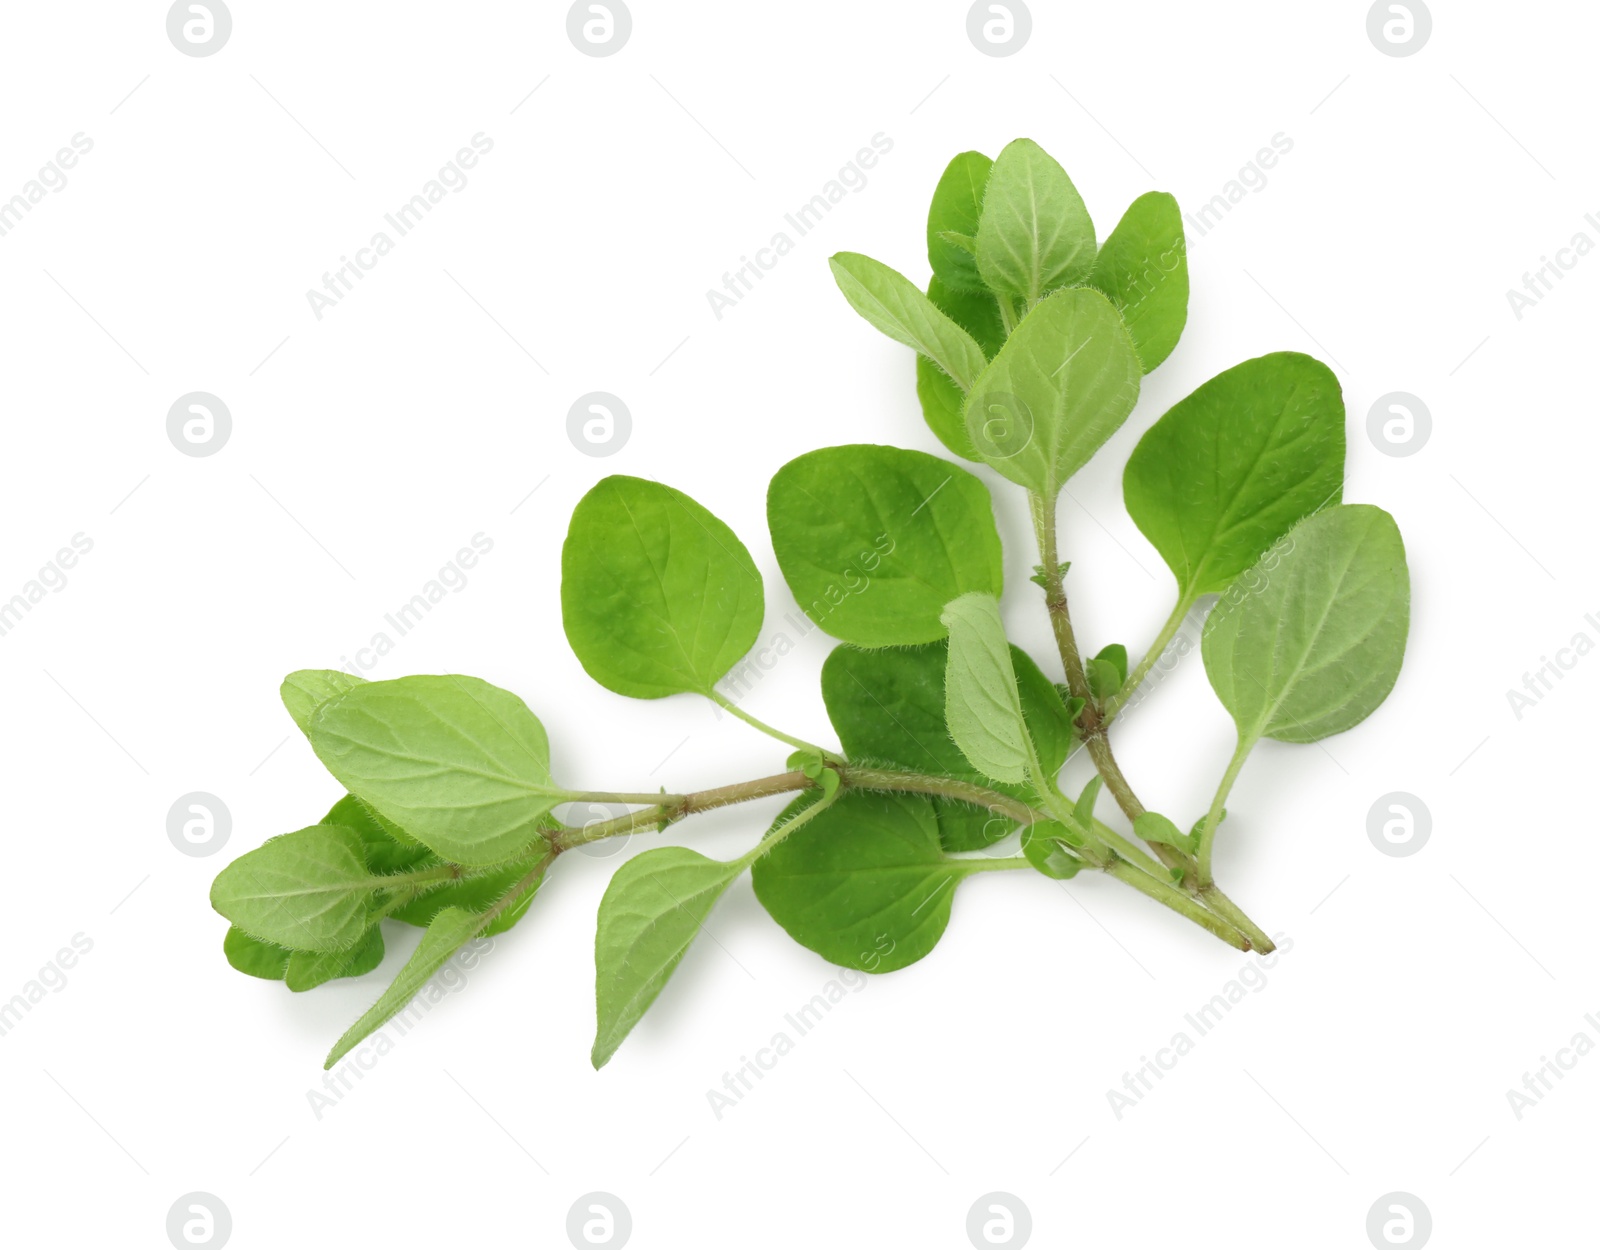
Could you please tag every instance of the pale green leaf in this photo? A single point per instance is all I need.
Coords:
(308, 890)
(459, 764)
(654, 907)
(450, 930)
(892, 303)
(1309, 641)
(982, 707)
(1034, 234)
(1065, 380)
(309, 969)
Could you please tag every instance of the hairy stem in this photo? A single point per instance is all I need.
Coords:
(1141, 670)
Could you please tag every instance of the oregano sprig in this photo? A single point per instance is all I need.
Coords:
(1031, 340)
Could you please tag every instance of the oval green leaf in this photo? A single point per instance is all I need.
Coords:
(874, 541)
(1065, 380)
(865, 884)
(1231, 468)
(658, 596)
(308, 890)
(1034, 234)
(459, 764)
(1309, 641)
(1143, 268)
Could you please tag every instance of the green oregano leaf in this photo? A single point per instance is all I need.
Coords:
(1154, 827)
(888, 707)
(1312, 641)
(461, 765)
(658, 596)
(305, 691)
(1083, 809)
(654, 907)
(943, 402)
(982, 707)
(255, 958)
(1045, 845)
(865, 884)
(308, 890)
(1065, 380)
(874, 541)
(893, 304)
(953, 223)
(309, 969)
(1143, 268)
(1107, 671)
(450, 930)
(1034, 234)
(1231, 468)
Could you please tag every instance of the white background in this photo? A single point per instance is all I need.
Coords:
(370, 445)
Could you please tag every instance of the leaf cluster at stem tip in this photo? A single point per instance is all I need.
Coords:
(1030, 336)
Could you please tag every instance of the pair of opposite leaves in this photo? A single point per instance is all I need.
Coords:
(1037, 404)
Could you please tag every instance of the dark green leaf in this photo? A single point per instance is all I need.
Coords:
(1143, 268)
(266, 960)
(864, 884)
(309, 969)
(956, 207)
(874, 541)
(888, 707)
(1230, 469)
